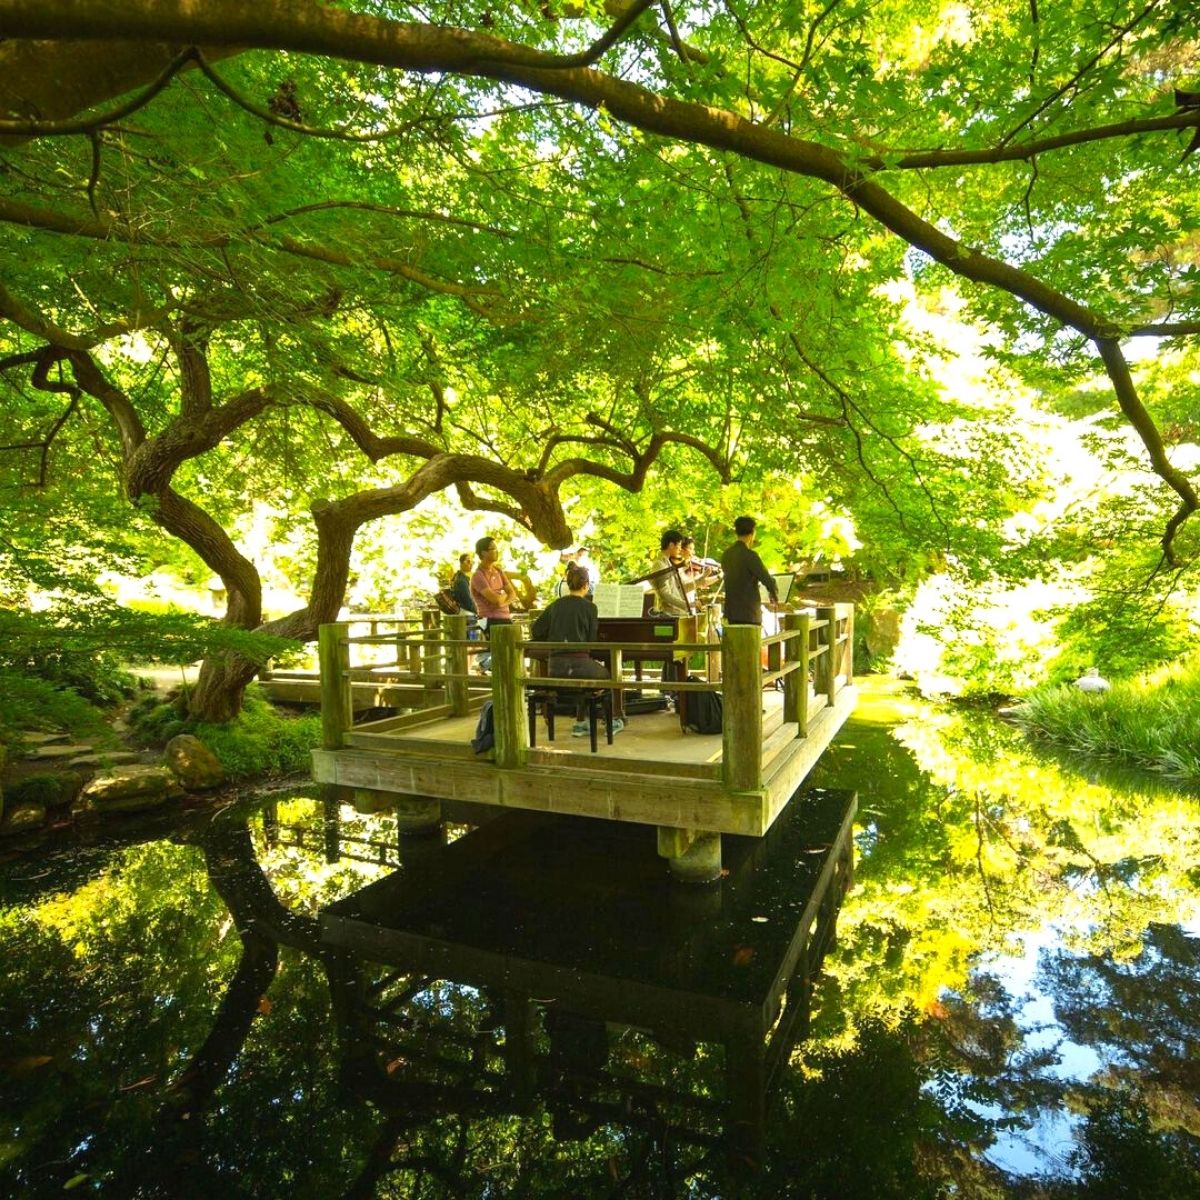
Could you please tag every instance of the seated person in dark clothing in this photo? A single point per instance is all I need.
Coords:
(744, 571)
(573, 618)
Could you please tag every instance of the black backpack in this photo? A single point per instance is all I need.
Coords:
(705, 711)
(485, 730)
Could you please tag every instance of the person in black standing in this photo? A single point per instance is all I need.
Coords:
(744, 571)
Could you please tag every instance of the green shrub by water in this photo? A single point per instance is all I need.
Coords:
(260, 741)
(1153, 721)
(27, 702)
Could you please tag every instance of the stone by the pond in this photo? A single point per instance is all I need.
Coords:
(38, 737)
(130, 789)
(195, 765)
(51, 753)
(110, 758)
(21, 817)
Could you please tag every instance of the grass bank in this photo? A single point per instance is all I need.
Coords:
(1153, 721)
(261, 740)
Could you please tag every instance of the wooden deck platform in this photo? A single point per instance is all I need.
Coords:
(692, 788)
(652, 774)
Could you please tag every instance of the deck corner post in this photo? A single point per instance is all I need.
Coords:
(741, 750)
(795, 684)
(337, 705)
(455, 626)
(508, 708)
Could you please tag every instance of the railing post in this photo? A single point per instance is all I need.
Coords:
(741, 751)
(455, 628)
(337, 704)
(508, 696)
(848, 661)
(712, 662)
(775, 655)
(431, 657)
(825, 680)
(685, 632)
(795, 684)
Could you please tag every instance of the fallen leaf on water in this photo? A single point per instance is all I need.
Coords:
(760, 920)
(742, 955)
(129, 1087)
(75, 1181)
(264, 1005)
(395, 1065)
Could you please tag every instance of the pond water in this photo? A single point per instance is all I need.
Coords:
(287, 998)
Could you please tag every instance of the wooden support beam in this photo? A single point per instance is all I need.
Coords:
(741, 654)
(508, 696)
(337, 706)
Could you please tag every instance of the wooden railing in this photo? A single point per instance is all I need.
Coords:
(812, 655)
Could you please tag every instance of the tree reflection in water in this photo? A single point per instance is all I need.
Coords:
(1010, 1010)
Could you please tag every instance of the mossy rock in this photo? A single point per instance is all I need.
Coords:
(194, 764)
(21, 818)
(131, 789)
(56, 789)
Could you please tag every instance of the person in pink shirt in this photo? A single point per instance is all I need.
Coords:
(491, 588)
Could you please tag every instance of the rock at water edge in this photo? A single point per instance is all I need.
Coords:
(194, 764)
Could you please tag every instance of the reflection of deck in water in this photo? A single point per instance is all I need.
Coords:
(784, 699)
(591, 979)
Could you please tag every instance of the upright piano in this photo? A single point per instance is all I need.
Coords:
(659, 634)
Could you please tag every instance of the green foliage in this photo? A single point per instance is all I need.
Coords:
(261, 740)
(27, 702)
(1153, 721)
(51, 789)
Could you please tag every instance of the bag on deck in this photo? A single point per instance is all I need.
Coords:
(446, 602)
(485, 730)
(705, 710)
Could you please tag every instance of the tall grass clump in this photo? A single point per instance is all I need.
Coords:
(1153, 720)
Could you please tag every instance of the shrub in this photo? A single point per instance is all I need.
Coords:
(1153, 720)
(50, 790)
(31, 703)
(259, 741)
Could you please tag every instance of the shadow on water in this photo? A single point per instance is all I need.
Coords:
(292, 999)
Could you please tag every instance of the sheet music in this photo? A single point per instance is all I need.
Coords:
(783, 584)
(618, 599)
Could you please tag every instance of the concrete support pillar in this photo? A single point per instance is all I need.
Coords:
(414, 814)
(693, 855)
(417, 814)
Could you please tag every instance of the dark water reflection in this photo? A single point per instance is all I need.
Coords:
(1012, 1007)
